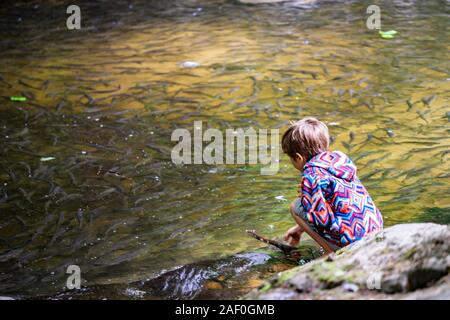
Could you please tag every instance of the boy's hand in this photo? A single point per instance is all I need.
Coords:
(292, 236)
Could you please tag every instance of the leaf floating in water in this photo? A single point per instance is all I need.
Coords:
(390, 32)
(44, 159)
(387, 34)
(18, 98)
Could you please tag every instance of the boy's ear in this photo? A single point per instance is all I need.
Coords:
(298, 155)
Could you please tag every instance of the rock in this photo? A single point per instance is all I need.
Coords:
(301, 2)
(406, 261)
(261, 1)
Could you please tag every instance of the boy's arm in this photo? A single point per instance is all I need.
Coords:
(315, 236)
(317, 209)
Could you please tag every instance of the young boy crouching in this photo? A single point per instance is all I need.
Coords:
(333, 206)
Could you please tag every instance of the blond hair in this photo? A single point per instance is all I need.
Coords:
(308, 137)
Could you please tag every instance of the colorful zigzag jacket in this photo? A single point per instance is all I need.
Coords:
(336, 202)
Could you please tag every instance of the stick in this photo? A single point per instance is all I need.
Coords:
(287, 249)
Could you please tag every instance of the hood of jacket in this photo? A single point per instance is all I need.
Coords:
(335, 162)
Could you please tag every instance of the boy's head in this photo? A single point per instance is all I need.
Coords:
(304, 139)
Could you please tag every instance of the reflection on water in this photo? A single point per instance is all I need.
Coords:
(103, 101)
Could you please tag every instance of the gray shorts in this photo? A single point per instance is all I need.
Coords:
(300, 212)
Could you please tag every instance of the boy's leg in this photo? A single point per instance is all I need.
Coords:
(300, 217)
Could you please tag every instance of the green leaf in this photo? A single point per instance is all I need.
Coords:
(391, 32)
(387, 34)
(18, 98)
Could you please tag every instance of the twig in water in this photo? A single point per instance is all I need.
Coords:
(287, 249)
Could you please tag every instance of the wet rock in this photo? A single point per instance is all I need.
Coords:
(276, 1)
(406, 261)
(261, 1)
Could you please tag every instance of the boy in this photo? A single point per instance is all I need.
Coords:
(333, 206)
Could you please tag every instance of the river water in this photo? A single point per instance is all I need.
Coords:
(85, 167)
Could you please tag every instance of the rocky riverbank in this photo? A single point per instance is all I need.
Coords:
(406, 261)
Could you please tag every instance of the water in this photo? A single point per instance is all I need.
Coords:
(104, 100)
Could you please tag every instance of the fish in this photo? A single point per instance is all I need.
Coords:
(332, 139)
(103, 147)
(69, 197)
(106, 193)
(361, 81)
(72, 178)
(27, 195)
(27, 167)
(20, 219)
(45, 84)
(118, 88)
(427, 100)
(90, 100)
(46, 206)
(325, 70)
(4, 199)
(79, 217)
(390, 133)
(108, 260)
(255, 89)
(60, 105)
(351, 136)
(428, 148)
(28, 85)
(48, 218)
(373, 161)
(414, 172)
(161, 149)
(422, 116)
(11, 254)
(347, 145)
(363, 102)
(370, 174)
(11, 173)
(21, 133)
(410, 104)
(310, 73)
(59, 230)
(56, 190)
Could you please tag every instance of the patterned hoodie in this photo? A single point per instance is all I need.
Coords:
(335, 201)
